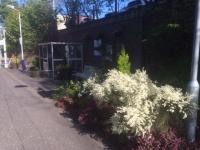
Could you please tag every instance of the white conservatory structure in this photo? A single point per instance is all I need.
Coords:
(52, 54)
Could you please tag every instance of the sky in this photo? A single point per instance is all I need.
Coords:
(56, 1)
(105, 10)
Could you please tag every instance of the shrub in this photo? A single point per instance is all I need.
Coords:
(64, 72)
(163, 141)
(138, 101)
(123, 62)
(70, 88)
(60, 92)
(14, 61)
(35, 62)
(73, 88)
(88, 114)
(66, 103)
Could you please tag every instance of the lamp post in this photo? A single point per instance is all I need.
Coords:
(193, 85)
(20, 30)
(5, 51)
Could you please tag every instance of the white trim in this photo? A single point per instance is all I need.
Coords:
(46, 70)
(58, 59)
(61, 43)
(50, 46)
(53, 70)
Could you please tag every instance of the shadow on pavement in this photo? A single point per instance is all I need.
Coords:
(45, 93)
(50, 84)
(48, 88)
(95, 132)
(20, 86)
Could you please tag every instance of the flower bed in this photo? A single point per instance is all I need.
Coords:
(129, 109)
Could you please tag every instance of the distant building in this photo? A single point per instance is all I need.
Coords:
(104, 38)
(82, 19)
(61, 22)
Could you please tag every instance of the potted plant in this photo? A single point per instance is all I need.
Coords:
(14, 62)
(64, 72)
(34, 69)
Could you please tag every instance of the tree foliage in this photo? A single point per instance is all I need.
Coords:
(3, 11)
(37, 21)
(140, 104)
(124, 65)
(12, 32)
(90, 8)
(40, 17)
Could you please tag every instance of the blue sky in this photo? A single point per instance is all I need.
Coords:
(20, 1)
(105, 10)
(56, 1)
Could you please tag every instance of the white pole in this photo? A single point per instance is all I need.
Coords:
(193, 86)
(53, 69)
(21, 37)
(53, 4)
(5, 51)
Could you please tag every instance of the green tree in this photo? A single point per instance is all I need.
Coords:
(123, 62)
(37, 22)
(3, 10)
(85, 7)
(40, 17)
(90, 8)
(12, 32)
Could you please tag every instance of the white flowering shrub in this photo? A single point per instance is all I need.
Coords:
(138, 101)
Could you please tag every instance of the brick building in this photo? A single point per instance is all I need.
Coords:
(102, 39)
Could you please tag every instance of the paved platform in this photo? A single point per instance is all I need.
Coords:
(29, 121)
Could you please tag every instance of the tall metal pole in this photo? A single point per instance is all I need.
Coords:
(193, 86)
(5, 51)
(21, 37)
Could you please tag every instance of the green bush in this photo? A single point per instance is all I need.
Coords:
(73, 88)
(124, 65)
(70, 88)
(139, 103)
(35, 62)
(60, 92)
(62, 67)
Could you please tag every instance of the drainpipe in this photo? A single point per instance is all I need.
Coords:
(193, 85)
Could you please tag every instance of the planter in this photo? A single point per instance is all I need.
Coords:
(13, 66)
(35, 73)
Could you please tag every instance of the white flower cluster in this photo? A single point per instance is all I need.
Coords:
(137, 100)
